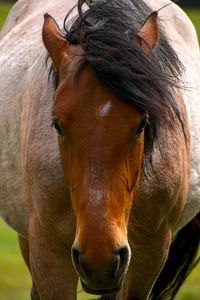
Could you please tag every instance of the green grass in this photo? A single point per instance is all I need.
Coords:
(194, 15)
(15, 280)
(4, 8)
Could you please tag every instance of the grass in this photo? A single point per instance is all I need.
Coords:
(15, 280)
(194, 15)
(4, 8)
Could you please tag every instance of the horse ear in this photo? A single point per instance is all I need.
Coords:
(150, 33)
(54, 41)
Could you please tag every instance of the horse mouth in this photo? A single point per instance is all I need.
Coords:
(100, 291)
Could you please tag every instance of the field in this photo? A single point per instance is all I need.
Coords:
(14, 278)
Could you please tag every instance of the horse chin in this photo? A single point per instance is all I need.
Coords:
(101, 291)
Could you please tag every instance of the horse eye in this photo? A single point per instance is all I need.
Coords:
(58, 129)
(141, 127)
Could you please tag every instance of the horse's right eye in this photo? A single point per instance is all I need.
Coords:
(141, 127)
(58, 129)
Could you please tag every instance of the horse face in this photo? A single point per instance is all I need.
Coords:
(101, 146)
(101, 143)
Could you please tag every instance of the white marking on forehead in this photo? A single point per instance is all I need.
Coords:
(104, 109)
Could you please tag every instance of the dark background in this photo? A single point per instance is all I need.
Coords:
(189, 3)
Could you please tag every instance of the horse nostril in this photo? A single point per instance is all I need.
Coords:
(119, 262)
(75, 257)
(124, 254)
(80, 263)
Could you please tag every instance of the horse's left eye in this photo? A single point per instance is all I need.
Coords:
(141, 127)
(58, 129)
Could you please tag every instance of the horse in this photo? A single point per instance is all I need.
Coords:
(100, 146)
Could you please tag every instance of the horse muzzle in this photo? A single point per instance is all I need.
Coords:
(107, 279)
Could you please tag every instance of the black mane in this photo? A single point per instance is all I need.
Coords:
(106, 31)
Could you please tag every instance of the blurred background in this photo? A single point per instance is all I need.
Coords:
(188, 3)
(15, 280)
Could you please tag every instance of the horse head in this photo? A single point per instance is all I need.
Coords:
(101, 142)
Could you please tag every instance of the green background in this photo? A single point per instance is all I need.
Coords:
(14, 277)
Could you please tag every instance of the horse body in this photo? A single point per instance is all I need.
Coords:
(15, 32)
(32, 177)
(186, 35)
